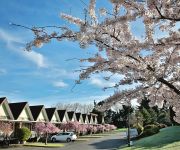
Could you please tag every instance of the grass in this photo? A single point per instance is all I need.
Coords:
(50, 145)
(121, 130)
(166, 139)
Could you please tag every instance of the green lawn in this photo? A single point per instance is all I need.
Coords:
(166, 139)
(50, 145)
(121, 130)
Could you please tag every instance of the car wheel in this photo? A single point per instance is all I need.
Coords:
(68, 140)
(53, 139)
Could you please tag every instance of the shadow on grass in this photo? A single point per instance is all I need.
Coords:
(168, 138)
(109, 144)
(160, 146)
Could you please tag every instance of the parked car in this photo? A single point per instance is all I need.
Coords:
(64, 136)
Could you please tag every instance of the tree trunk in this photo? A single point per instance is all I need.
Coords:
(46, 138)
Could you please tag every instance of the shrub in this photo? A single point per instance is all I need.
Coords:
(23, 134)
(139, 128)
(150, 130)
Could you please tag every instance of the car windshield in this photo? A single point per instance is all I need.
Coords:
(71, 134)
(59, 134)
(66, 133)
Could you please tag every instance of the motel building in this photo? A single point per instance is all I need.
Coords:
(20, 114)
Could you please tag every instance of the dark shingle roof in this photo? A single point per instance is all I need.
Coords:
(17, 108)
(35, 110)
(94, 118)
(84, 117)
(78, 116)
(2, 99)
(61, 114)
(50, 112)
(89, 117)
(70, 114)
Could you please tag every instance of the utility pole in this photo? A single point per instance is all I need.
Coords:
(128, 121)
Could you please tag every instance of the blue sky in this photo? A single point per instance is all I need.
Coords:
(43, 76)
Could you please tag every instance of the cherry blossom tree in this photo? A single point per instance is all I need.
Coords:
(89, 128)
(83, 128)
(46, 129)
(6, 128)
(62, 126)
(150, 59)
(72, 126)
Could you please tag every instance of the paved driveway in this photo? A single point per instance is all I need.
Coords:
(105, 143)
(110, 142)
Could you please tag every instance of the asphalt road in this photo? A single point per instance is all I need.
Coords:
(111, 142)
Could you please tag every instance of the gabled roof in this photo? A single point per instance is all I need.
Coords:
(50, 112)
(89, 117)
(78, 116)
(17, 108)
(36, 110)
(94, 117)
(70, 114)
(2, 99)
(61, 114)
(84, 116)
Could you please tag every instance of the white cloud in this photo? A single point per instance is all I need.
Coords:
(101, 83)
(60, 84)
(36, 58)
(16, 44)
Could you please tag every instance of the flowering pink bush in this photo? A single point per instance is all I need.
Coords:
(72, 126)
(101, 128)
(109, 127)
(82, 128)
(46, 129)
(94, 130)
(89, 129)
(112, 127)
